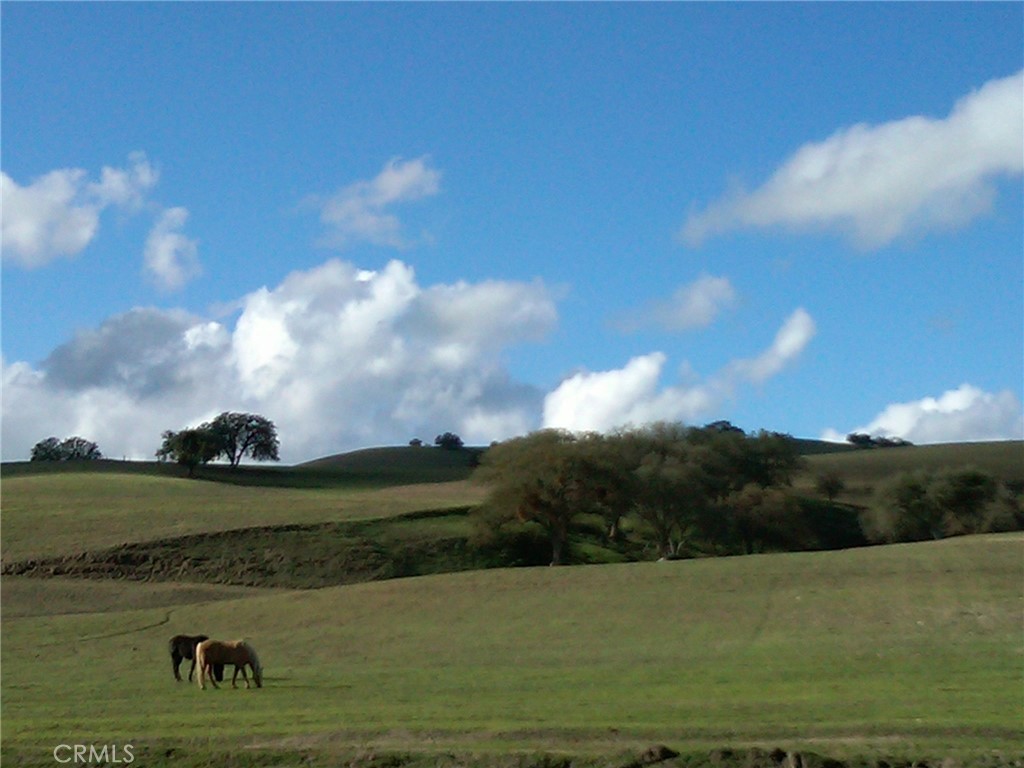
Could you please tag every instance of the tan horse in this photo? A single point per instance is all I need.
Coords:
(237, 652)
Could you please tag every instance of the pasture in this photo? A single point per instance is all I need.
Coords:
(912, 652)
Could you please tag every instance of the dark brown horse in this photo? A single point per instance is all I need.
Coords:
(184, 647)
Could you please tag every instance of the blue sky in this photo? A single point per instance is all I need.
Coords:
(372, 222)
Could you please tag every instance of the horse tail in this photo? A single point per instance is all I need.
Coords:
(200, 661)
(257, 668)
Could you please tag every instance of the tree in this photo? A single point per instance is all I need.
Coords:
(78, 448)
(963, 496)
(761, 518)
(902, 510)
(670, 491)
(190, 448)
(862, 440)
(671, 497)
(449, 441)
(241, 434)
(831, 484)
(542, 478)
(71, 449)
(921, 505)
(47, 450)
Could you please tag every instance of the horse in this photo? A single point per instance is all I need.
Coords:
(238, 652)
(184, 647)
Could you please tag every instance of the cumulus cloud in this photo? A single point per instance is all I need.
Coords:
(694, 305)
(604, 400)
(170, 258)
(58, 213)
(363, 211)
(878, 183)
(336, 356)
(958, 415)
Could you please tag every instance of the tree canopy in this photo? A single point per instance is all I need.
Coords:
(71, 449)
(684, 483)
(231, 436)
(919, 505)
(245, 434)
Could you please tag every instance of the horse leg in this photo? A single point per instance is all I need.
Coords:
(191, 669)
(245, 677)
(213, 677)
(175, 661)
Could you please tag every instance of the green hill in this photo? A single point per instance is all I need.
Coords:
(907, 653)
(399, 464)
(899, 653)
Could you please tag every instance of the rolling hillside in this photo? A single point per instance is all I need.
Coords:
(909, 652)
(904, 653)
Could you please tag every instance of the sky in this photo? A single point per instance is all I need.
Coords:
(373, 222)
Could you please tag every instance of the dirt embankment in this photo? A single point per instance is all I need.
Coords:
(289, 556)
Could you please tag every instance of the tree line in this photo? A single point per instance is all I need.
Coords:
(230, 436)
(713, 490)
(684, 485)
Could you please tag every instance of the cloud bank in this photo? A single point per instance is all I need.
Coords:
(958, 415)
(875, 184)
(601, 401)
(337, 357)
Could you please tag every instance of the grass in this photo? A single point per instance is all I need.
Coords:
(911, 649)
(54, 514)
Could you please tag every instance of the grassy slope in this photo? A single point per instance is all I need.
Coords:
(912, 649)
(52, 514)
(863, 470)
(890, 650)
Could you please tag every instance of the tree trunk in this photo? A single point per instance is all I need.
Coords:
(557, 546)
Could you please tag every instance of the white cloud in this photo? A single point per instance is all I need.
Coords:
(363, 211)
(604, 400)
(695, 305)
(958, 415)
(337, 357)
(170, 258)
(790, 341)
(125, 187)
(878, 183)
(58, 213)
(45, 220)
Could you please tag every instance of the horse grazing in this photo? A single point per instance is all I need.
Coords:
(184, 647)
(238, 652)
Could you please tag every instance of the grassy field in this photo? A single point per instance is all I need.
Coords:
(912, 652)
(904, 650)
